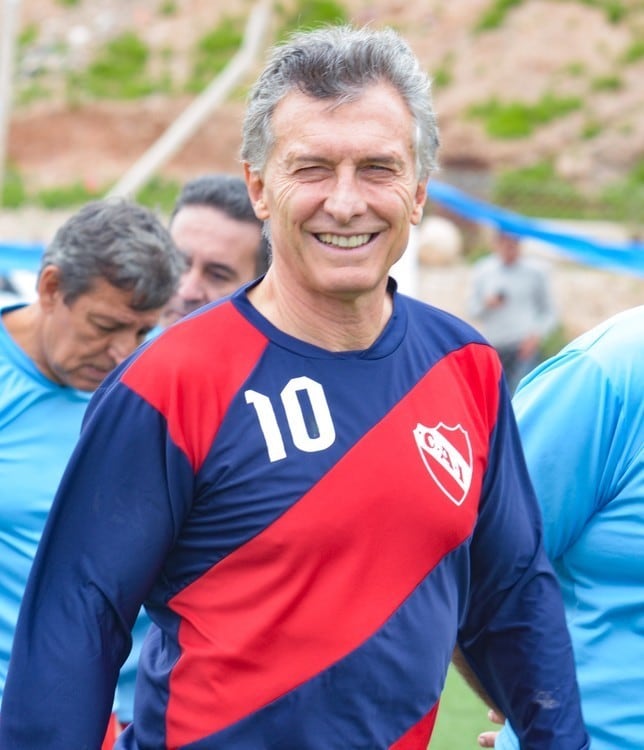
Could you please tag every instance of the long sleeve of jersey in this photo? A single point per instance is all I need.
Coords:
(310, 533)
(498, 613)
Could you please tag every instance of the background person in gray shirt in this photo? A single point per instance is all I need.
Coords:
(511, 302)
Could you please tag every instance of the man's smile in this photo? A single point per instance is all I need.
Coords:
(341, 240)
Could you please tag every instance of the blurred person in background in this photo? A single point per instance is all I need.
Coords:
(102, 284)
(214, 226)
(9, 293)
(511, 301)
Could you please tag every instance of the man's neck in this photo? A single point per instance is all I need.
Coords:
(332, 323)
(23, 325)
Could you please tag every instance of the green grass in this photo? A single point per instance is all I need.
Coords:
(74, 194)
(214, 51)
(13, 189)
(635, 52)
(309, 14)
(519, 120)
(495, 15)
(462, 716)
(159, 194)
(614, 10)
(119, 71)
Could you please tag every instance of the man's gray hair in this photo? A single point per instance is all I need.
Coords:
(121, 242)
(337, 63)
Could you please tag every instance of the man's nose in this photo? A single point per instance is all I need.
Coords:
(191, 287)
(122, 344)
(345, 200)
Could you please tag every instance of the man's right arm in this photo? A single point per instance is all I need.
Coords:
(109, 531)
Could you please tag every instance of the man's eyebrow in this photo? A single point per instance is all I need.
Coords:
(307, 157)
(296, 158)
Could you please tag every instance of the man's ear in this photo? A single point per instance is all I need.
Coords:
(48, 287)
(255, 187)
(419, 202)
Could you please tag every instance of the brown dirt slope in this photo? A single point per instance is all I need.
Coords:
(562, 46)
(565, 47)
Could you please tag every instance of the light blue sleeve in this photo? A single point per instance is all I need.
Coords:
(567, 413)
(506, 739)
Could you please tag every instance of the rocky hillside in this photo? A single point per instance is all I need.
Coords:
(517, 82)
(579, 60)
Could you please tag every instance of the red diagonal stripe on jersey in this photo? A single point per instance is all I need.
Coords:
(273, 614)
(222, 349)
(418, 736)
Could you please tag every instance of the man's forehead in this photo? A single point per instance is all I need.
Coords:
(103, 295)
(372, 114)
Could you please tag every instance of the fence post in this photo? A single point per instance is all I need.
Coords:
(7, 47)
(193, 117)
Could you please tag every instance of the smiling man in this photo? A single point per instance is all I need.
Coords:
(102, 283)
(215, 229)
(328, 482)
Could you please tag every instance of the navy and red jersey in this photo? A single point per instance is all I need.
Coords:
(311, 532)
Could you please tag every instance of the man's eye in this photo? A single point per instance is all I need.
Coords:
(218, 276)
(312, 173)
(378, 169)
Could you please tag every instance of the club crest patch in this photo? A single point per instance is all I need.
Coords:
(447, 455)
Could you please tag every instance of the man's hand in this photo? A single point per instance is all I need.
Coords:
(492, 301)
(488, 739)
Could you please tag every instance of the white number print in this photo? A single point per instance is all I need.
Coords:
(309, 435)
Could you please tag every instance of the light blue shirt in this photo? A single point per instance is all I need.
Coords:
(40, 422)
(581, 417)
(39, 426)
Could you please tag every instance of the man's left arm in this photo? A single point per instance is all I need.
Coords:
(514, 637)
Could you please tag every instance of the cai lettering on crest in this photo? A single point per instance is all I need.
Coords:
(447, 455)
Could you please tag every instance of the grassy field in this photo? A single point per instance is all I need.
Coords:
(462, 716)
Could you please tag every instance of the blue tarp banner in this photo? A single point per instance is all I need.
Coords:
(20, 256)
(624, 257)
(627, 257)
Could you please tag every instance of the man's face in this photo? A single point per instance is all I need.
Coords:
(507, 248)
(221, 255)
(340, 191)
(82, 342)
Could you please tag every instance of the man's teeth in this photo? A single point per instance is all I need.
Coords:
(340, 240)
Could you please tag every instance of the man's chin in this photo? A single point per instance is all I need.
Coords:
(87, 382)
